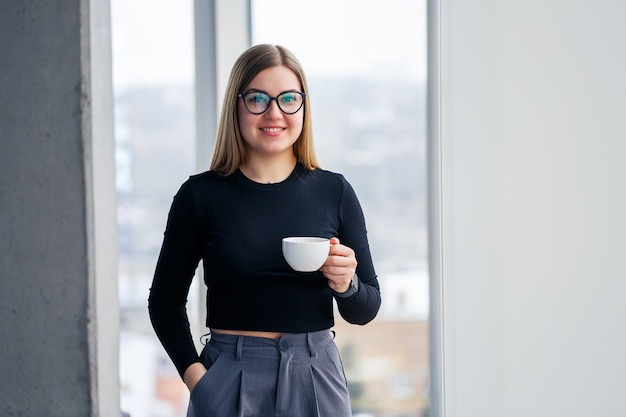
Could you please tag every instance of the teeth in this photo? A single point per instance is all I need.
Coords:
(272, 129)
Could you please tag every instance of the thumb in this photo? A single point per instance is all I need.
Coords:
(334, 241)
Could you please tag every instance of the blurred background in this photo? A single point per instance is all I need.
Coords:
(525, 167)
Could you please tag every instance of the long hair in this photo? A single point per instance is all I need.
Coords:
(230, 150)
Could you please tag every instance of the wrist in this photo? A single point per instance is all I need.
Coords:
(193, 374)
(353, 288)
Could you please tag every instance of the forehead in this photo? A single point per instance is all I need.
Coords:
(275, 80)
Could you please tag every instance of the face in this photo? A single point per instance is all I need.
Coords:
(273, 132)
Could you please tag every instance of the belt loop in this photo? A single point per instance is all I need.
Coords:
(309, 340)
(239, 348)
(204, 339)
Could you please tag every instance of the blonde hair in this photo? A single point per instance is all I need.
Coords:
(230, 150)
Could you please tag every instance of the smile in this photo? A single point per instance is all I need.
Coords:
(272, 129)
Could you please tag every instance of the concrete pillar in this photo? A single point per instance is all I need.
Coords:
(58, 285)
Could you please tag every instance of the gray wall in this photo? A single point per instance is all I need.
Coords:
(58, 301)
(532, 143)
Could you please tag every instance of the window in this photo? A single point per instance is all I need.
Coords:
(366, 66)
(155, 152)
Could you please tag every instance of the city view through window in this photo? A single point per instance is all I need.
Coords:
(366, 63)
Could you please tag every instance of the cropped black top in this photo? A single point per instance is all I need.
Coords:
(235, 226)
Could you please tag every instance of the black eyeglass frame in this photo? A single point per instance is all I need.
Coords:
(269, 103)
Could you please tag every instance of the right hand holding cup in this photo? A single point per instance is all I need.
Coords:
(340, 266)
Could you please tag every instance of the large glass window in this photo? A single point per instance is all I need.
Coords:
(366, 65)
(153, 70)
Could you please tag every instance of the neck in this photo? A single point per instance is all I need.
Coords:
(268, 171)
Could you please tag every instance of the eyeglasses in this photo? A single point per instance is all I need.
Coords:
(257, 102)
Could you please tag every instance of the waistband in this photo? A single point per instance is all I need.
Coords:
(296, 343)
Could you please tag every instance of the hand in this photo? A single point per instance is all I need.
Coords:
(340, 266)
(193, 374)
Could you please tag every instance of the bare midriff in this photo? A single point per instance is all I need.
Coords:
(251, 333)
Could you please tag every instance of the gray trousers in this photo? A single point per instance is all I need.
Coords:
(299, 375)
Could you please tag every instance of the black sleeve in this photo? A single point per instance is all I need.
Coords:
(361, 307)
(178, 260)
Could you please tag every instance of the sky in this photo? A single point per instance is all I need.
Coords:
(152, 42)
(153, 39)
(357, 37)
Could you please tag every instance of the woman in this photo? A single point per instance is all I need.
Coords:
(271, 351)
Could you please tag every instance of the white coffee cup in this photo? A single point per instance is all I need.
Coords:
(306, 254)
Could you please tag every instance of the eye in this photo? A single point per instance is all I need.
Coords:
(289, 98)
(257, 98)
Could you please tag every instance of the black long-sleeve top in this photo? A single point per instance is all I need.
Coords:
(236, 227)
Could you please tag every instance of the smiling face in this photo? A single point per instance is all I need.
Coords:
(273, 132)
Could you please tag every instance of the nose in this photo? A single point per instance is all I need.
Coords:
(273, 111)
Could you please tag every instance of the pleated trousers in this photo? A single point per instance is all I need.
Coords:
(298, 375)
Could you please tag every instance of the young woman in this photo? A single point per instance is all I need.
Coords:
(271, 352)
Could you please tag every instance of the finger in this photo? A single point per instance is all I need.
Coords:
(339, 266)
(341, 250)
(339, 277)
(339, 261)
(334, 241)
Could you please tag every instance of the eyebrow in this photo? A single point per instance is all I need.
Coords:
(258, 90)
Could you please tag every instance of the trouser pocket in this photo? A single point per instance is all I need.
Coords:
(217, 392)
